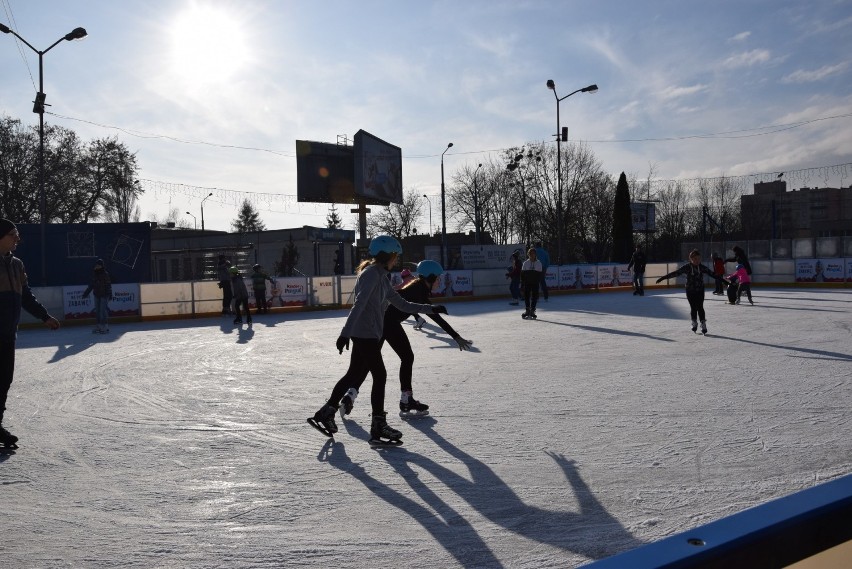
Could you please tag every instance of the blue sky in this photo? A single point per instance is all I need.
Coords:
(186, 83)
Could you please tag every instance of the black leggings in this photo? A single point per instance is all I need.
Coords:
(696, 304)
(7, 370)
(395, 336)
(366, 358)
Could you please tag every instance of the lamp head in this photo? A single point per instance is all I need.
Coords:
(76, 34)
(589, 89)
(551, 85)
(450, 145)
(5, 29)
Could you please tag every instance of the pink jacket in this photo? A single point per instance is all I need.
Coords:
(741, 274)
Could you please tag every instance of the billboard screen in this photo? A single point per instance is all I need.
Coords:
(378, 169)
(324, 172)
(643, 214)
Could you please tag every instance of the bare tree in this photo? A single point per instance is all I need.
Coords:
(398, 220)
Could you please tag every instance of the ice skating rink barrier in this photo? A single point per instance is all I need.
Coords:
(811, 529)
(191, 299)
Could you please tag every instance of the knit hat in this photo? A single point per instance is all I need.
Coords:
(6, 227)
(99, 262)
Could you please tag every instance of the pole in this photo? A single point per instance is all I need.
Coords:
(476, 205)
(558, 185)
(430, 214)
(202, 210)
(42, 199)
(444, 211)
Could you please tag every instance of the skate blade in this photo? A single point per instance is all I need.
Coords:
(312, 422)
(414, 415)
(384, 443)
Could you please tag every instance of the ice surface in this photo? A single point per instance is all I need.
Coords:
(603, 425)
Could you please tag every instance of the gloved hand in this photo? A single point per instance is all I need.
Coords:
(219, 285)
(661, 279)
(342, 342)
(463, 344)
(439, 309)
(726, 281)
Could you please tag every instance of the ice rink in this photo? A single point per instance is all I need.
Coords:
(604, 425)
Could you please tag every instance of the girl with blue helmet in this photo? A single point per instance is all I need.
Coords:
(364, 327)
(416, 291)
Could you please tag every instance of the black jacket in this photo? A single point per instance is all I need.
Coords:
(637, 262)
(418, 292)
(15, 294)
(694, 276)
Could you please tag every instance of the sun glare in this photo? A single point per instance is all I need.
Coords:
(209, 45)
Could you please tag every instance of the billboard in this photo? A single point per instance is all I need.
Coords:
(324, 172)
(643, 214)
(378, 169)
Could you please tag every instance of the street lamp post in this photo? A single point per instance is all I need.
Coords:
(38, 107)
(195, 219)
(202, 210)
(559, 137)
(444, 211)
(430, 213)
(476, 221)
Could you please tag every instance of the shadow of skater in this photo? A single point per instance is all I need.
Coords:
(447, 527)
(591, 532)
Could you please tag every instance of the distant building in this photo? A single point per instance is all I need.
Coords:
(774, 213)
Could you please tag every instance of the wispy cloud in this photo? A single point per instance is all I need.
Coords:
(747, 58)
(742, 36)
(678, 92)
(803, 76)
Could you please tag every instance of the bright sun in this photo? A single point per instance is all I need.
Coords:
(209, 45)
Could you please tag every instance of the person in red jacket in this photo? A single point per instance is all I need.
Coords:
(719, 271)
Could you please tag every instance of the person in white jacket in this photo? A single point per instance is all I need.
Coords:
(365, 327)
(532, 272)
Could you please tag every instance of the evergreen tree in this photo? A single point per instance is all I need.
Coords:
(333, 220)
(248, 219)
(622, 223)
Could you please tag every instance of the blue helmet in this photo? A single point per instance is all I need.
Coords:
(384, 244)
(428, 268)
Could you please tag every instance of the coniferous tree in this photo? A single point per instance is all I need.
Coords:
(622, 223)
(333, 220)
(248, 219)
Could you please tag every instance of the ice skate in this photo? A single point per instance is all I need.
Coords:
(238, 321)
(526, 314)
(7, 439)
(323, 420)
(704, 327)
(533, 315)
(347, 402)
(410, 408)
(381, 434)
(694, 325)
(419, 322)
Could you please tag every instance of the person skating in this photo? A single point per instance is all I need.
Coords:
(224, 276)
(240, 291)
(694, 272)
(637, 263)
(15, 294)
(418, 291)
(531, 275)
(364, 328)
(718, 270)
(258, 283)
(100, 285)
(544, 257)
(744, 285)
(740, 258)
(408, 277)
(514, 275)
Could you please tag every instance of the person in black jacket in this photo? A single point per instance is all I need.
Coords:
(417, 291)
(224, 275)
(694, 272)
(637, 263)
(740, 258)
(101, 285)
(15, 294)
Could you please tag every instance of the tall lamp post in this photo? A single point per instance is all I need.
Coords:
(444, 211)
(195, 219)
(430, 213)
(38, 107)
(202, 210)
(476, 206)
(560, 136)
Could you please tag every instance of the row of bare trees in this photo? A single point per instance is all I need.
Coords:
(83, 181)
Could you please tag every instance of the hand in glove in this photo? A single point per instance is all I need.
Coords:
(342, 342)
(463, 344)
(439, 309)
(661, 279)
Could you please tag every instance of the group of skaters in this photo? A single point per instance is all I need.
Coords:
(235, 296)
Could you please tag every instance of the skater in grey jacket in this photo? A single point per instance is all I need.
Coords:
(364, 327)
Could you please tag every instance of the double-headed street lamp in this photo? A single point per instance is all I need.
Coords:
(195, 219)
(560, 136)
(430, 213)
(444, 211)
(202, 210)
(38, 107)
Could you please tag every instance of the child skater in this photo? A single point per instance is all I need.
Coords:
(694, 272)
(365, 327)
(238, 286)
(418, 291)
(408, 277)
(101, 285)
(744, 280)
